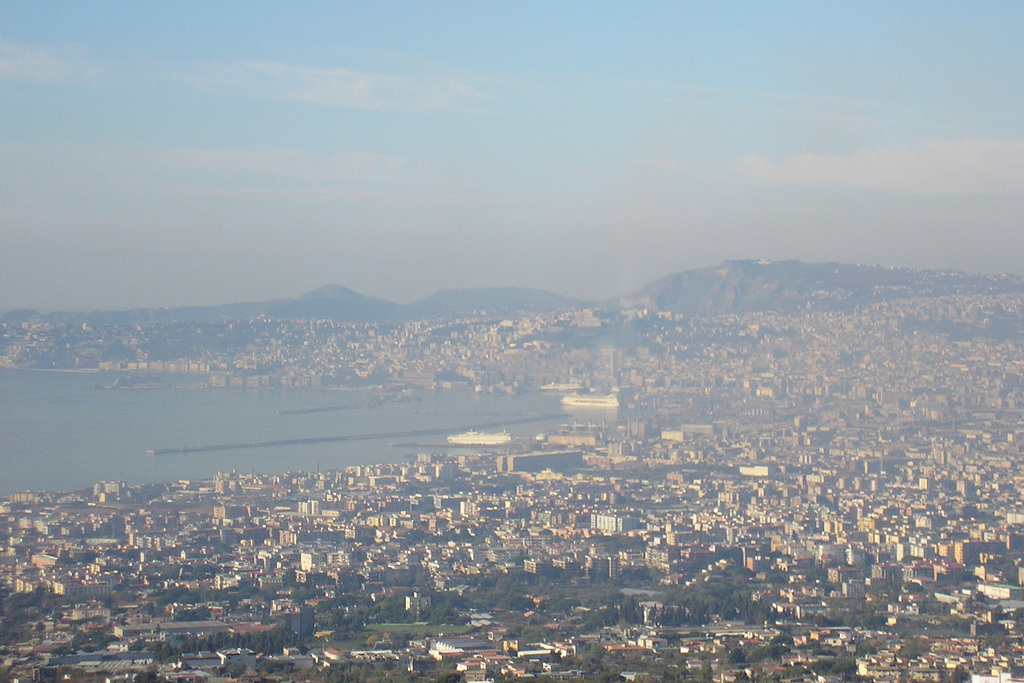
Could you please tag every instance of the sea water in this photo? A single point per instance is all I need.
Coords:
(63, 431)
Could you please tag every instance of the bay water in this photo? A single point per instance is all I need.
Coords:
(62, 431)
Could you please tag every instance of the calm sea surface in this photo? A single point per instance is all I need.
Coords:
(58, 431)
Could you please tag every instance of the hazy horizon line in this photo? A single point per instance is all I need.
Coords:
(576, 299)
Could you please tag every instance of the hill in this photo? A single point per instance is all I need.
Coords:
(334, 302)
(331, 302)
(732, 287)
(496, 300)
(744, 286)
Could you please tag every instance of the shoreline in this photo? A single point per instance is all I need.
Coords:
(61, 371)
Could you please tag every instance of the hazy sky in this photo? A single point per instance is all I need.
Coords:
(176, 153)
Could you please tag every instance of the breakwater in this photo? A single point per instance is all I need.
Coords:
(351, 437)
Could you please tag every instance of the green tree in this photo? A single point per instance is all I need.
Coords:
(449, 677)
(706, 675)
(148, 676)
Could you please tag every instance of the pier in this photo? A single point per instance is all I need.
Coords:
(330, 409)
(351, 437)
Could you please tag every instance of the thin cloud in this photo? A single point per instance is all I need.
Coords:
(43, 65)
(217, 166)
(743, 94)
(945, 167)
(345, 88)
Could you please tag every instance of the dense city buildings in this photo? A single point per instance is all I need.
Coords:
(809, 495)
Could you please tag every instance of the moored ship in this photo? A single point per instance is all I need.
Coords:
(591, 401)
(474, 438)
(561, 386)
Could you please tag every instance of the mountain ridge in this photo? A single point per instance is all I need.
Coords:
(733, 286)
(745, 286)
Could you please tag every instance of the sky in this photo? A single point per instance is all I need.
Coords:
(167, 154)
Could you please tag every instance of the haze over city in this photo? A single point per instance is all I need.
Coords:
(185, 154)
(511, 342)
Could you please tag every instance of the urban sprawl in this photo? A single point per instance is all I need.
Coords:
(805, 496)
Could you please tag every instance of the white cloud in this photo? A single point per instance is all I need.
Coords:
(349, 89)
(42, 65)
(220, 167)
(931, 167)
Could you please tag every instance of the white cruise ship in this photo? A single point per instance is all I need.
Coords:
(591, 401)
(474, 438)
